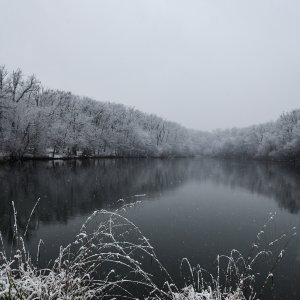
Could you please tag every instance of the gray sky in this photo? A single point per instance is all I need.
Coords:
(205, 64)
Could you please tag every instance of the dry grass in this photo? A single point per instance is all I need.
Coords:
(109, 263)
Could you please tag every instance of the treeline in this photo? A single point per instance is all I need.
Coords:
(278, 140)
(39, 122)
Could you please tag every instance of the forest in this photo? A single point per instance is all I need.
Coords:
(276, 140)
(37, 122)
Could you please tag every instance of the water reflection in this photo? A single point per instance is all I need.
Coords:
(71, 188)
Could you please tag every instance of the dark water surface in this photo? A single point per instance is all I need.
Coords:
(194, 208)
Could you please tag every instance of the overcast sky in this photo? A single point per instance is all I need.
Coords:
(205, 64)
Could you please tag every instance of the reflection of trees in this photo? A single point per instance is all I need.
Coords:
(278, 181)
(72, 188)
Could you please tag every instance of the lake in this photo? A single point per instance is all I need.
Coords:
(195, 208)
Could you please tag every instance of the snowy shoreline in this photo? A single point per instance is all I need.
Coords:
(67, 158)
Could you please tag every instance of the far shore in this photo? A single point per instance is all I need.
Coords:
(10, 159)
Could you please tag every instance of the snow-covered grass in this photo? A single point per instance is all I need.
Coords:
(114, 261)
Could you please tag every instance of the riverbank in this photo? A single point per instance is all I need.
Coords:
(84, 157)
(7, 158)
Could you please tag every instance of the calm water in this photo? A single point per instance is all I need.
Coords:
(192, 208)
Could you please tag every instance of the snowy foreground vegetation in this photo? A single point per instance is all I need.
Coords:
(111, 259)
(39, 122)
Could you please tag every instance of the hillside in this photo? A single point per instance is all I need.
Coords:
(39, 122)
